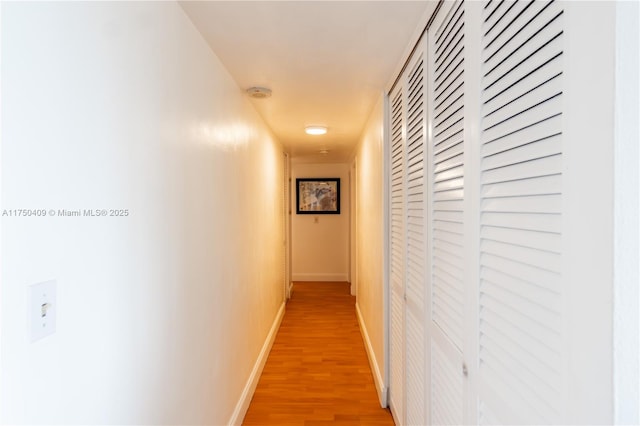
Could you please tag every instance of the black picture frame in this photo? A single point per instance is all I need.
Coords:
(318, 196)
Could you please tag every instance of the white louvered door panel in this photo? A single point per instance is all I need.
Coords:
(397, 255)
(448, 174)
(520, 293)
(446, 169)
(447, 383)
(415, 316)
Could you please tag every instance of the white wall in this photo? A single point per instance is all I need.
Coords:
(370, 245)
(320, 250)
(627, 216)
(161, 315)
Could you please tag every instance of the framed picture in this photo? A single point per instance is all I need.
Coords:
(318, 196)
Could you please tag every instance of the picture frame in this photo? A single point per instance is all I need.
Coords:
(318, 196)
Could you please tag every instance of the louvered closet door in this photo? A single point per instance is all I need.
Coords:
(397, 255)
(446, 224)
(520, 323)
(415, 314)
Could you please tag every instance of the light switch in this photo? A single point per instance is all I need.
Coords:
(42, 309)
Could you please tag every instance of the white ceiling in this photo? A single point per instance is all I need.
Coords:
(325, 61)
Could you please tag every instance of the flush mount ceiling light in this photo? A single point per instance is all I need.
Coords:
(259, 92)
(315, 130)
(323, 151)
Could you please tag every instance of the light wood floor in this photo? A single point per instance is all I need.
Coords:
(317, 372)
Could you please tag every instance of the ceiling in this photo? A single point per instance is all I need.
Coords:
(327, 62)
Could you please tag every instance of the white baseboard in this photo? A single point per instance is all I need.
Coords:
(377, 377)
(320, 277)
(247, 393)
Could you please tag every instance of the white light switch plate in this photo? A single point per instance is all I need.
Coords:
(42, 309)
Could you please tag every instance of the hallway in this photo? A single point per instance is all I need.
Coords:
(152, 155)
(317, 371)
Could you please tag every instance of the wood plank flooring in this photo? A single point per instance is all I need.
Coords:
(317, 372)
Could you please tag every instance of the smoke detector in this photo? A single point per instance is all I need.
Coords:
(259, 92)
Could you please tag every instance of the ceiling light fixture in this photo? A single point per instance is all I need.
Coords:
(315, 130)
(259, 92)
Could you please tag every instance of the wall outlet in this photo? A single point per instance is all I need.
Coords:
(42, 309)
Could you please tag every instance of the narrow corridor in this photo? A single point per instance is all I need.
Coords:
(317, 371)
